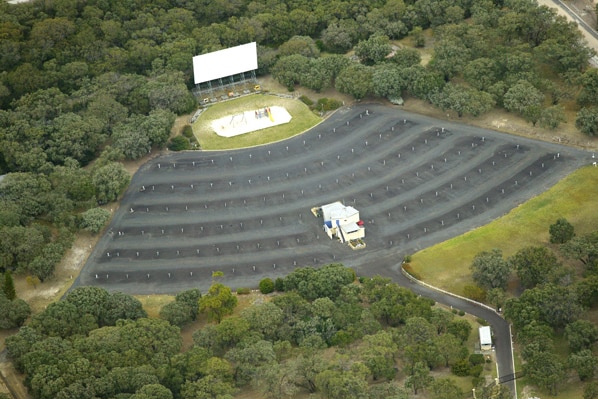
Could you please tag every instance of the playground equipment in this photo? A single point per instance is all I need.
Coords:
(262, 112)
(238, 119)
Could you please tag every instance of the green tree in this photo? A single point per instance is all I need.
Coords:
(534, 265)
(460, 329)
(109, 181)
(581, 334)
(524, 99)
(449, 58)
(373, 50)
(490, 270)
(119, 306)
(481, 73)
(587, 121)
(89, 300)
(13, 313)
(290, 69)
(339, 37)
(552, 117)
(496, 297)
(8, 287)
(152, 391)
(179, 143)
(419, 377)
(355, 80)
(265, 318)
(266, 285)
(583, 248)
(446, 388)
(546, 370)
(176, 313)
(588, 95)
(561, 231)
(94, 219)
(208, 387)
(405, 57)
(591, 390)
(463, 100)
(218, 302)
(337, 384)
(584, 363)
(387, 81)
(379, 355)
(416, 342)
(246, 357)
(303, 45)
(449, 348)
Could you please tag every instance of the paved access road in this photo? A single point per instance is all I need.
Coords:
(415, 180)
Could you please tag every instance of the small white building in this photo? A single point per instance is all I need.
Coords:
(485, 338)
(342, 222)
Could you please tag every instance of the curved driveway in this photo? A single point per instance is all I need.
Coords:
(415, 180)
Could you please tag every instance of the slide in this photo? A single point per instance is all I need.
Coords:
(270, 114)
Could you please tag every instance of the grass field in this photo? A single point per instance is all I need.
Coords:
(575, 198)
(303, 119)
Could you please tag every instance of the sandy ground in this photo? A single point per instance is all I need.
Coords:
(251, 121)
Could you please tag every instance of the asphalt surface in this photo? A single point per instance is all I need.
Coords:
(416, 181)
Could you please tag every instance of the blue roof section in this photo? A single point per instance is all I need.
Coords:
(328, 223)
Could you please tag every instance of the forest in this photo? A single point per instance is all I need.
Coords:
(325, 332)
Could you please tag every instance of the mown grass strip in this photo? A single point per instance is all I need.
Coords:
(303, 119)
(575, 198)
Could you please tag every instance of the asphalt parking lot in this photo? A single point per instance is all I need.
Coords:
(415, 180)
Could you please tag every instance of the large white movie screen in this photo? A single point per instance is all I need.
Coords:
(227, 62)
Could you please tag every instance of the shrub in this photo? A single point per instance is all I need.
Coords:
(461, 313)
(306, 100)
(407, 259)
(279, 285)
(474, 292)
(476, 370)
(461, 368)
(179, 143)
(188, 131)
(481, 321)
(327, 104)
(266, 285)
(243, 291)
(476, 358)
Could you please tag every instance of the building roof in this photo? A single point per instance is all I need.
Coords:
(350, 227)
(485, 336)
(337, 211)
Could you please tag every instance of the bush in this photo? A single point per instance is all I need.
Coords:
(266, 285)
(243, 291)
(461, 368)
(327, 104)
(474, 292)
(481, 321)
(476, 370)
(188, 131)
(306, 100)
(461, 313)
(476, 358)
(279, 285)
(407, 259)
(179, 143)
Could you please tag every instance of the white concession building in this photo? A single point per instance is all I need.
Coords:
(342, 222)
(485, 338)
